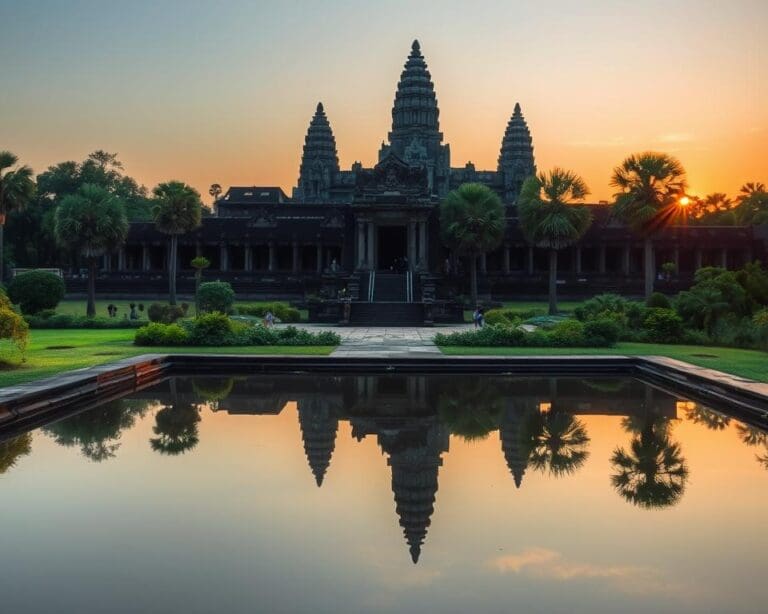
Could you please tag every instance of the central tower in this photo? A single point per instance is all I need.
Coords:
(415, 135)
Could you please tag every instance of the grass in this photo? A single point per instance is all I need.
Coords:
(751, 364)
(564, 307)
(86, 348)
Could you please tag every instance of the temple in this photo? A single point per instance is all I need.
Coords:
(371, 235)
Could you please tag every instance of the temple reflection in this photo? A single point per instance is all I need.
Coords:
(541, 423)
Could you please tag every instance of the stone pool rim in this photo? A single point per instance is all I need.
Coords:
(29, 404)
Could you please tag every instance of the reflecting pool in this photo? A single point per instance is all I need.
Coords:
(318, 493)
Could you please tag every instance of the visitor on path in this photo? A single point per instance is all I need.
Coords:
(476, 317)
(269, 319)
(481, 317)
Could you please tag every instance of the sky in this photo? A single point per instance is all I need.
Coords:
(223, 91)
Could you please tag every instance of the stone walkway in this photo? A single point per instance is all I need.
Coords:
(387, 342)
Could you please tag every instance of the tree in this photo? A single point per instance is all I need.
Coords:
(470, 411)
(549, 218)
(713, 209)
(472, 223)
(215, 192)
(200, 263)
(561, 443)
(91, 222)
(653, 472)
(650, 186)
(16, 190)
(176, 428)
(753, 205)
(177, 210)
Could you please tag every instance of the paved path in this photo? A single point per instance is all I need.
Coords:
(388, 342)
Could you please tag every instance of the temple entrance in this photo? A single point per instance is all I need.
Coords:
(393, 248)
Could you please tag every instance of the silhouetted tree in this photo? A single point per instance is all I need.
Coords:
(470, 410)
(560, 443)
(11, 450)
(17, 187)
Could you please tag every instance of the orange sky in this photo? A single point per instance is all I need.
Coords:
(224, 94)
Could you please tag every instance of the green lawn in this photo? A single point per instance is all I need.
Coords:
(565, 307)
(751, 364)
(85, 348)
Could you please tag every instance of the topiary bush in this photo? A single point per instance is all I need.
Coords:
(601, 332)
(658, 300)
(12, 326)
(165, 314)
(216, 296)
(34, 291)
(158, 334)
(663, 326)
(211, 329)
(568, 333)
(628, 315)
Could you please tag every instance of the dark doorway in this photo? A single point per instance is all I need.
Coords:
(392, 248)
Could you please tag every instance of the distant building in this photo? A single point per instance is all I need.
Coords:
(372, 234)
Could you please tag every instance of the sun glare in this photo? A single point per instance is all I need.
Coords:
(684, 201)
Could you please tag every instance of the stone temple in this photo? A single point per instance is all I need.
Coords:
(363, 244)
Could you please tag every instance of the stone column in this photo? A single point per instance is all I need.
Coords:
(319, 257)
(529, 260)
(724, 258)
(295, 258)
(224, 258)
(360, 244)
(248, 258)
(699, 257)
(272, 265)
(371, 256)
(198, 249)
(601, 264)
(506, 259)
(121, 259)
(106, 262)
(411, 244)
(483, 264)
(578, 260)
(676, 259)
(146, 260)
(625, 253)
(423, 245)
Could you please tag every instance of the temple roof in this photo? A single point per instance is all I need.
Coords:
(256, 195)
(517, 144)
(319, 144)
(415, 101)
(318, 430)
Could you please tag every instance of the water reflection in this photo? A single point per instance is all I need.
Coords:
(540, 424)
(652, 473)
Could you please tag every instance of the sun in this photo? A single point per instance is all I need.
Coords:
(684, 201)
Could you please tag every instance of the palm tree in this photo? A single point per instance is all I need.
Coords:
(200, 263)
(549, 219)
(92, 221)
(177, 210)
(653, 473)
(215, 192)
(753, 204)
(713, 420)
(472, 223)
(16, 190)
(749, 189)
(650, 186)
(561, 443)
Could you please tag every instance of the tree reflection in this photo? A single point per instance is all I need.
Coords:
(710, 418)
(753, 436)
(560, 442)
(213, 390)
(13, 449)
(653, 472)
(97, 431)
(471, 411)
(176, 429)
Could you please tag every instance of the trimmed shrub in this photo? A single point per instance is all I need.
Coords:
(628, 315)
(488, 336)
(510, 316)
(64, 320)
(159, 334)
(601, 332)
(34, 291)
(165, 314)
(658, 300)
(663, 326)
(211, 329)
(216, 296)
(568, 333)
(12, 326)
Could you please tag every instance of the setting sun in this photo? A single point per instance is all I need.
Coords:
(685, 201)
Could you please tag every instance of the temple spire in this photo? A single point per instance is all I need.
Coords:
(318, 430)
(415, 104)
(319, 160)
(516, 161)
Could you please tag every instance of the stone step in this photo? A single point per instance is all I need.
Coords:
(387, 314)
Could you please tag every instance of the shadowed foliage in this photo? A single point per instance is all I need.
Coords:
(471, 412)
(561, 443)
(12, 450)
(17, 187)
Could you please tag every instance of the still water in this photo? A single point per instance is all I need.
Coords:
(387, 494)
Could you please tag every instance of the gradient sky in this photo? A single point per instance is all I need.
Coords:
(223, 92)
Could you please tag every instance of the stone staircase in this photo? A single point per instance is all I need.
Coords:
(387, 314)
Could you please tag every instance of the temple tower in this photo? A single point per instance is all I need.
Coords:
(319, 161)
(318, 431)
(516, 162)
(513, 443)
(415, 135)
